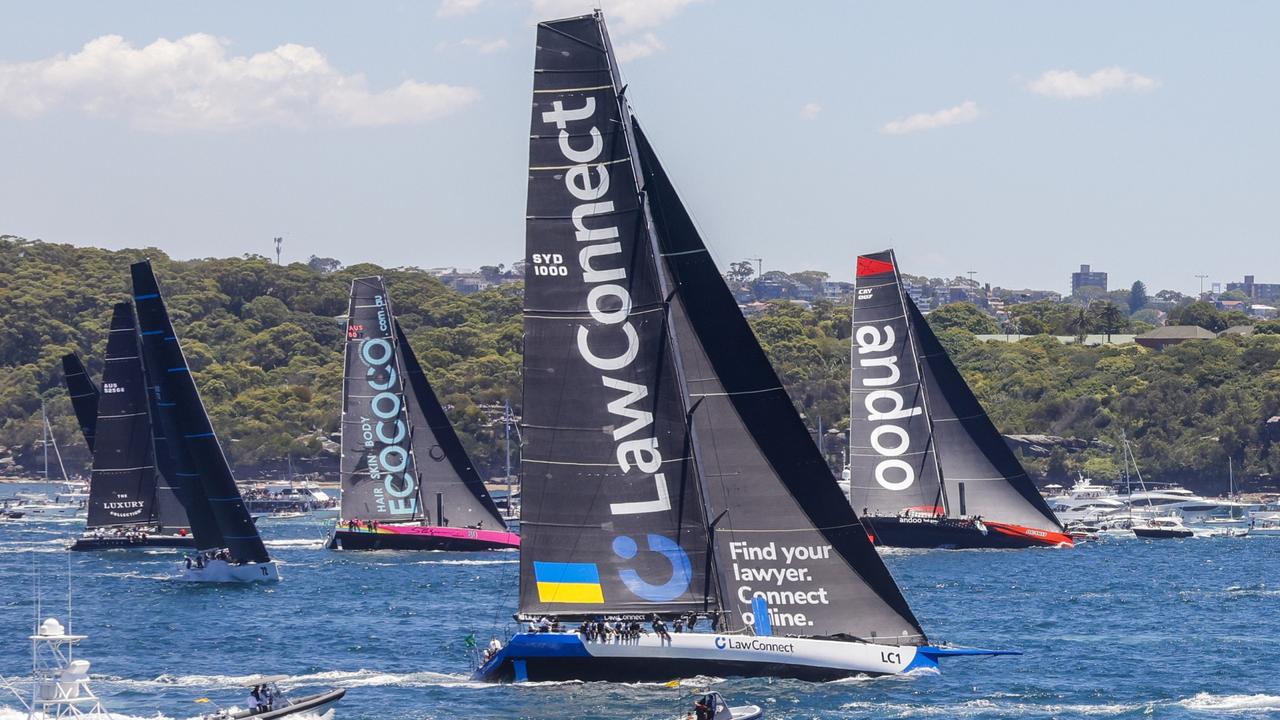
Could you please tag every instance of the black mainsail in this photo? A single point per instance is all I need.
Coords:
(919, 439)
(449, 480)
(123, 486)
(199, 462)
(84, 396)
(380, 477)
(407, 483)
(665, 468)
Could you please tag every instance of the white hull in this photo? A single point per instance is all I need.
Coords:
(219, 571)
(566, 656)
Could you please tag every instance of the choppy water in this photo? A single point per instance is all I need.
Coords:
(1116, 629)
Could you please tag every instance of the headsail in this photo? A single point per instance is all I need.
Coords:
(380, 477)
(893, 461)
(782, 528)
(196, 438)
(123, 488)
(918, 435)
(454, 492)
(982, 475)
(83, 394)
(612, 519)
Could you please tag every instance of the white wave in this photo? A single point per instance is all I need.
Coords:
(984, 707)
(303, 543)
(9, 713)
(466, 562)
(331, 678)
(1211, 702)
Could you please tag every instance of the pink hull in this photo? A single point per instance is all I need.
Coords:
(497, 537)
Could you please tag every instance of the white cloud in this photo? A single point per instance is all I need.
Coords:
(192, 83)
(454, 8)
(1070, 85)
(810, 110)
(966, 111)
(643, 46)
(483, 46)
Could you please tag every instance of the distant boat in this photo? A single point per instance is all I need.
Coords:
(678, 519)
(230, 549)
(927, 468)
(71, 498)
(407, 483)
(1162, 527)
(131, 503)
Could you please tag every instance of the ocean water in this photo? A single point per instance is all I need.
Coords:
(1122, 628)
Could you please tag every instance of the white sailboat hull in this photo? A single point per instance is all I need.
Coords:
(567, 656)
(220, 571)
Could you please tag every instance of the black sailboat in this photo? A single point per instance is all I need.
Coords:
(927, 467)
(407, 483)
(667, 476)
(230, 548)
(84, 396)
(130, 504)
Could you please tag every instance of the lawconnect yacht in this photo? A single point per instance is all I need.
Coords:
(678, 519)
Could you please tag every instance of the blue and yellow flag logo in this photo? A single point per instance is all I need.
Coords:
(568, 582)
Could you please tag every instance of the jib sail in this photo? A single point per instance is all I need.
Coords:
(83, 394)
(454, 492)
(194, 434)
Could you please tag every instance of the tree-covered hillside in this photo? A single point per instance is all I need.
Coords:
(265, 341)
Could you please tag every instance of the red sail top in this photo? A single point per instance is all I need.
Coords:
(871, 266)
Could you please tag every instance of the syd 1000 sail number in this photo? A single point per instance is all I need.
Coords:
(549, 264)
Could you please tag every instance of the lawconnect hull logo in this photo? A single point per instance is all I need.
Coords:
(758, 644)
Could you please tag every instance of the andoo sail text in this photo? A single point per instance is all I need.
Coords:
(230, 548)
(927, 468)
(667, 476)
(407, 483)
(130, 504)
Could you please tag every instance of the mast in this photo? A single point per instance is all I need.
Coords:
(668, 290)
(924, 387)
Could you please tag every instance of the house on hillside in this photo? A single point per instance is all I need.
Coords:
(1163, 337)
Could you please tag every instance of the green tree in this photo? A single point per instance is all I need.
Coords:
(1137, 296)
(1107, 317)
(964, 316)
(1200, 313)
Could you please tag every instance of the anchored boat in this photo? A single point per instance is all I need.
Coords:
(407, 483)
(668, 480)
(230, 549)
(131, 502)
(927, 468)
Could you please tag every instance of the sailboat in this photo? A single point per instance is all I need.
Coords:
(72, 495)
(131, 504)
(84, 396)
(407, 483)
(668, 479)
(927, 467)
(230, 549)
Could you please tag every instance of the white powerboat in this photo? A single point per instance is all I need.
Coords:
(1085, 502)
(289, 497)
(40, 505)
(1169, 526)
(1177, 500)
(713, 706)
(268, 702)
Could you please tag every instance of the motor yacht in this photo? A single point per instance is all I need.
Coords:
(1169, 526)
(288, 497)
(1085, 502)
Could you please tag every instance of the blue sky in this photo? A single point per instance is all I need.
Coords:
(1014, 139)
